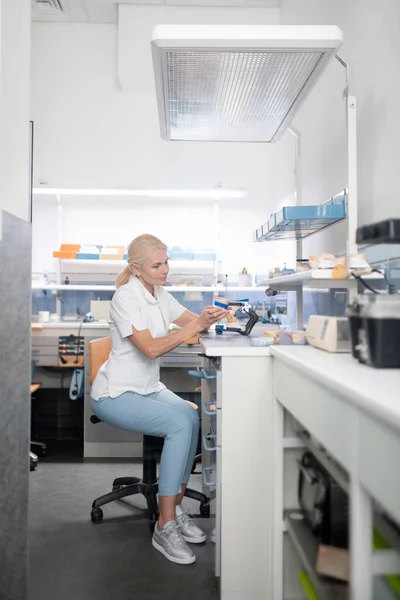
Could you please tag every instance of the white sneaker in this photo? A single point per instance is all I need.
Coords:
(169, 541)
(189, 530)
(212, 536)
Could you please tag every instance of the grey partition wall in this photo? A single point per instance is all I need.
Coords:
(15, 318)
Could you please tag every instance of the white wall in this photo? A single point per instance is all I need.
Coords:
(89, 133)
(14, 106)
(371, 46)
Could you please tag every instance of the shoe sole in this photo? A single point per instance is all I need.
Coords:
(191, 540)
(179, 561)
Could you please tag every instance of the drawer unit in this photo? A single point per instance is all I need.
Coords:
(182, 356)
(212, 447)
(45, 350)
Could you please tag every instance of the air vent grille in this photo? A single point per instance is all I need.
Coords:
(48, 7)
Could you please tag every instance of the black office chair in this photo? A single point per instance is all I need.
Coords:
(123, 487)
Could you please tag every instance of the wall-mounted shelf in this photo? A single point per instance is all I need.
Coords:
(55, 287)
(317, 278)
(192, 267)
(111, 288)
(299, 222)
(99, 271)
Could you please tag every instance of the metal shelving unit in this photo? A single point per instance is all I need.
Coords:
(299, 222)
(318, 278)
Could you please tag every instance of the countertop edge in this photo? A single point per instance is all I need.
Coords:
(357, 398)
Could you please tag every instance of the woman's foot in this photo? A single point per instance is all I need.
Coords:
(170, 542)
(189, 530)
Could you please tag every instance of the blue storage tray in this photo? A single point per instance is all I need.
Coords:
(181, 256)
(297, 222)
(204, 256)
(84, 256)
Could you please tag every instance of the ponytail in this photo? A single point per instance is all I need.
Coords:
(123, 277)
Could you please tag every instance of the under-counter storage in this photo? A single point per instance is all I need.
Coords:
(45, 350)
(347, 427)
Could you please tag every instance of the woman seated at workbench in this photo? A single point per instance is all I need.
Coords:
(127, 391)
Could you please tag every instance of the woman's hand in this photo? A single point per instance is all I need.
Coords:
(211, 315)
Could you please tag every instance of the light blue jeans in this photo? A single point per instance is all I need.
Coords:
(162, 414)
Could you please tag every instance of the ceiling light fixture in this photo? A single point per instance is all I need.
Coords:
(233, 82)
(217, 193)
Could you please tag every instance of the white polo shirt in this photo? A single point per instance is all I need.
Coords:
(127, 369)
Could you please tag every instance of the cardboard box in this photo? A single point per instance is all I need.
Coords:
(333, 562)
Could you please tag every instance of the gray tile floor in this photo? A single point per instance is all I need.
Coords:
(72, 558)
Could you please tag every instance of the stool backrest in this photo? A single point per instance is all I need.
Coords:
(99, 351)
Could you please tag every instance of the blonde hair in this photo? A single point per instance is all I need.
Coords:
(139, 252)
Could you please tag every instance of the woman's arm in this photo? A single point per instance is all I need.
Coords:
(156, 347)
(186, 318)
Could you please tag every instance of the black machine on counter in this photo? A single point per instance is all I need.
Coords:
(375, 330)
(375, 318)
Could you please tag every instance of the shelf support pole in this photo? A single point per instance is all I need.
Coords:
(361, 542)
(298, 196)
(58, 260)
(277, 535)
(351, 129)
(217, 244)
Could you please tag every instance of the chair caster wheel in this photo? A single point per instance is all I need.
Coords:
(205, 510)
(117, 487)
(96, 515)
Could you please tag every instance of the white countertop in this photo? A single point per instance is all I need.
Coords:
(231, 344)
(376, 391)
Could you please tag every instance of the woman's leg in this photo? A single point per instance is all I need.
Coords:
(190, 460)
(162, 414)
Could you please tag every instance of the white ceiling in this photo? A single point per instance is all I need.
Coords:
(105, 11)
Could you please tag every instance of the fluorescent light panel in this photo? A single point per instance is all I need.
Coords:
(212, 193)
(236, 83)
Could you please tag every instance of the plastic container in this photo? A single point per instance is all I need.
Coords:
(70, 247)
(275, 334)
(262, 341)
(105, 256)
(64, 254)
(204, 256)
(298, 338)
(113, 249)
(244, 279)
(85, 256)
